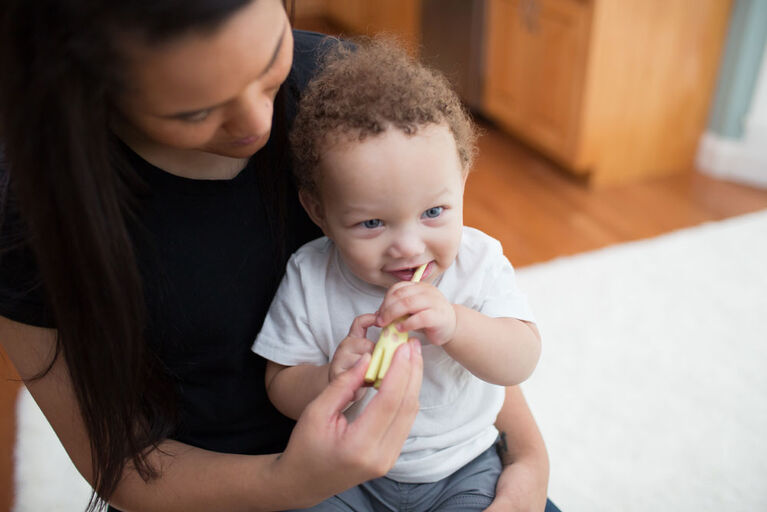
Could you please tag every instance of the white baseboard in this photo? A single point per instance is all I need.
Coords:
(733, 159)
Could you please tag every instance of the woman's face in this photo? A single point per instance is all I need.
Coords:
(210, 91)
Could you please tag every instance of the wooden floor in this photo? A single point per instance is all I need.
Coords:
(8, 390)
(539, 212)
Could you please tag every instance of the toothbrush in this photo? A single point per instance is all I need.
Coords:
(387, 344)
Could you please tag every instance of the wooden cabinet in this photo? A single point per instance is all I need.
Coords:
(615, 89)
(536, 62)
(397, 17)
(350, 14)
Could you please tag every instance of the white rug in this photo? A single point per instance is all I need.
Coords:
(651, 391)
(45, 477)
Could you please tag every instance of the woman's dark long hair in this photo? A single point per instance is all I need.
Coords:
(59, 68)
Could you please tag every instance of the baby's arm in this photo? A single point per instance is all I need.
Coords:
(502, 351)
(291, 388)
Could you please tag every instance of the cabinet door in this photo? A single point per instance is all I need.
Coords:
(396, 17)
(349, 14)
(536, 58)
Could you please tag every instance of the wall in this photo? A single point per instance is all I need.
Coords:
(735, 144)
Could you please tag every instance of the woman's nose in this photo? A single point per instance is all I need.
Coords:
(251, 115)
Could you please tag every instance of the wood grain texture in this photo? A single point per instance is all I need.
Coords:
(649, 86)
(535, 69)
(618, 90)
(539, 211)
(401, 18)
(9, 388)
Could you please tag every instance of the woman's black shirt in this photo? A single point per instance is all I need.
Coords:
(210, 264)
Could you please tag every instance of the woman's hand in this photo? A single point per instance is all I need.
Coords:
(327, 455)
(520, 488)
(523, 484)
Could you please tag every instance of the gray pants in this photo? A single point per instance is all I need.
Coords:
(470, 488)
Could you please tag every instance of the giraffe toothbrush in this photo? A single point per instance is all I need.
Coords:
(388, 342)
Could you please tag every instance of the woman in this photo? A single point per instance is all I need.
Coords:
(146, 219)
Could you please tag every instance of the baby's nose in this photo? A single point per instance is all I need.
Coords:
(407, 245)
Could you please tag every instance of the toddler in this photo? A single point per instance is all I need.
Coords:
(382, 150)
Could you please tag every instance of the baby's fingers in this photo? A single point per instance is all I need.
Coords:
(388, 418)
(394, 294)
(406, 305)
(360, 325)
(357, 346)
(348, 353)
(425, 319)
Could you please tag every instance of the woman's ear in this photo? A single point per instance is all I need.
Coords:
(313, 207)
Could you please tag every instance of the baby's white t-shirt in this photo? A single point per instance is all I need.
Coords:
(319, 298)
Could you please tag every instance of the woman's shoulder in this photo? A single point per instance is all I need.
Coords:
(22, 298)
(308, 48)
(305, 41)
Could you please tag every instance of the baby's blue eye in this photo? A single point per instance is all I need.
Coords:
(433, 213)
(372, 223)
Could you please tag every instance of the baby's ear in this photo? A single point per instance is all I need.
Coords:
(313, 207)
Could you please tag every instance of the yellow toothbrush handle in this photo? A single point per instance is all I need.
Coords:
(387, 344)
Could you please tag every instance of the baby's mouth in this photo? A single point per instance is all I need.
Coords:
(406, 274)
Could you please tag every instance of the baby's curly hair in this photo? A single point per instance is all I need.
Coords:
(363, 90)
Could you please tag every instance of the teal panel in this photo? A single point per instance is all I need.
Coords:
(746, 41)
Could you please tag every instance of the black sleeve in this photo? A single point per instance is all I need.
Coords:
(22, 297)
(308, 48)
(308, 51)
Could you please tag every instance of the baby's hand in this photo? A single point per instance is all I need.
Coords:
(429, 311)
(351, 349)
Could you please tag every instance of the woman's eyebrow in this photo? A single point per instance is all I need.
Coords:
(276, 51)
(269, 65)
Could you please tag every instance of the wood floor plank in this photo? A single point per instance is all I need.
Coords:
(540, 212)
(9, 388)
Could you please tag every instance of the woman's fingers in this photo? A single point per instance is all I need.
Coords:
(412, 375)
(324, 446)
(320, 455)
(387, 419)
(340, 391)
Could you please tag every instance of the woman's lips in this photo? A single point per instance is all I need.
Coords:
(406, 274)
(247, 141)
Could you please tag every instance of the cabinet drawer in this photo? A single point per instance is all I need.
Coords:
(535, 69)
